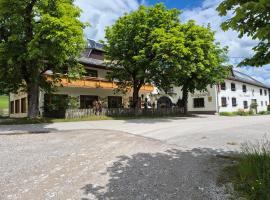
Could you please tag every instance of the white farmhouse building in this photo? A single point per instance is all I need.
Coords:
(237, 92)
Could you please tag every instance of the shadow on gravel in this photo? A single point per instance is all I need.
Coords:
(156, 120)
(25, 129)
(172, 175)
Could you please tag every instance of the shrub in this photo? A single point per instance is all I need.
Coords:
(251, 112)
(242, 112)
(263, 113)
(268, 108)
(253, 171)
(227, 113)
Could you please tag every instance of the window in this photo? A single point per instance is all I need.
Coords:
(23, 105)
(198, 102)
(12, 107)
(86, 101)
(261, 103)
(265, 92)
(223, 86)
(114, 102)
(234, 103)
(245, 104)
(261, 92)
(17, 106)
(223, 101)
(244, 87)
(91, 73)
(233, 86)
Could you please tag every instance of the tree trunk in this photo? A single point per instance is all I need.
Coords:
(185, 99)
(135, 98)
(33, 101)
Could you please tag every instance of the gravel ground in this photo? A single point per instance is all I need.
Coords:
(100, 164)
(203, 131)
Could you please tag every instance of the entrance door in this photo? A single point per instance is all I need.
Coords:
(164, 102)
(254, 101)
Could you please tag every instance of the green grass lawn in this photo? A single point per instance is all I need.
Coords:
(3, 102)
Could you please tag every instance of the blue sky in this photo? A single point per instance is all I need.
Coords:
(102, 13)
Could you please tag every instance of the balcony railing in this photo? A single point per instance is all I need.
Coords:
(101, 83)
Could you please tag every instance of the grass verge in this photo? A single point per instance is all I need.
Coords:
(251, 173)
(227, 114)
(243, 113)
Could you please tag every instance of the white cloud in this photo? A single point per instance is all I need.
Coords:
(239, 48)
(102, 13)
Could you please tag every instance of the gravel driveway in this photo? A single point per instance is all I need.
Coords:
(100, 164)
(202, 131)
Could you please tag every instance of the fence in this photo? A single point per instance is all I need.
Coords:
(123, 112)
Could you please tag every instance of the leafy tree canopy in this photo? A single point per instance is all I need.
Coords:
(36, 36)
(129, 45)
(151, 45)
(250, 17)
(188, 56)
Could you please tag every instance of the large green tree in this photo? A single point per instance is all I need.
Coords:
(251, 18)
(188, 56)
(129, 46)
(36, 36)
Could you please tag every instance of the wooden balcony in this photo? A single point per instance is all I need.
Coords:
(100, 83)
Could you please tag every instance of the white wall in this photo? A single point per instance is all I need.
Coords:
(210, 100)
(253, 92)
(13, 97)
(209, 96)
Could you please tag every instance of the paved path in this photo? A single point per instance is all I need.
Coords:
(225, 133)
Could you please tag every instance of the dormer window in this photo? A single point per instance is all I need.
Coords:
(96, 54)
(91, 73)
